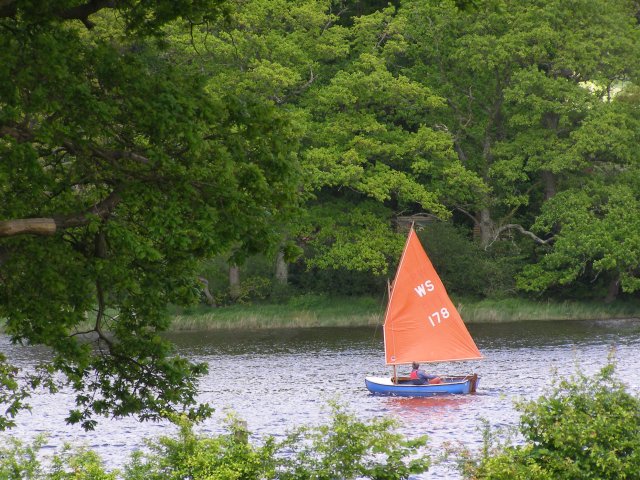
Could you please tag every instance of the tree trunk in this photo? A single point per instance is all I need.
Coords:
(282, 269)
(549, 181)
(234, 281)
(614, 289)
(211, 301)
(552, 122)
(486, 228)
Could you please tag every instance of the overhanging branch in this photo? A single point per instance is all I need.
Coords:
(9, 9)
(50, 226)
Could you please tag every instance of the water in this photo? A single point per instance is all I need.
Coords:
(279, 379)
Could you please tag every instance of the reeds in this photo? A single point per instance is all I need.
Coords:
(320, 311)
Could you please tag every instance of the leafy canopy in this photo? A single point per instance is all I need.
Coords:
(120, 170)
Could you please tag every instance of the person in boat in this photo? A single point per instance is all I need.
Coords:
(419, 377)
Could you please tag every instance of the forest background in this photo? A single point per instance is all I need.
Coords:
(507, 131)
(162, 154)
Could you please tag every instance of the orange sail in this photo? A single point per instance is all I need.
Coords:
(422, 325)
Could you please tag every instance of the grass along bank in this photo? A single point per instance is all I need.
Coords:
(321, 311)
(302, 311)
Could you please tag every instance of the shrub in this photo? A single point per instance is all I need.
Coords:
(20, 462)
(188, 456)
(343, 449)
(349, 449)
(587, 427)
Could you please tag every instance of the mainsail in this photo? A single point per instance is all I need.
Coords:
(422, 324)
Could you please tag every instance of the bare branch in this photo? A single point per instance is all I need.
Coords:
(520, 228)
(28, 226)
(471, 216)
(50, 226)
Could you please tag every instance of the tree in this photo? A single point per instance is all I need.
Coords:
(373, 151)
(520, 78)
(595, 223)
(119, 172)
(268, 53)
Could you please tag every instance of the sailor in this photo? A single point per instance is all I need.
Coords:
(420, 377)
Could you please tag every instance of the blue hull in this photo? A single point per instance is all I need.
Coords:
(450, 386)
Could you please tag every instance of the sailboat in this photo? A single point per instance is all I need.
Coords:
(422, 325)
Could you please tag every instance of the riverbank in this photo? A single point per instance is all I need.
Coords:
(319, 311)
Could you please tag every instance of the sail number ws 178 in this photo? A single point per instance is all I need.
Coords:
(437, 316)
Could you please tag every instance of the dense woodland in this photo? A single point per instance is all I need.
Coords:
(151, 149)
(508, 130)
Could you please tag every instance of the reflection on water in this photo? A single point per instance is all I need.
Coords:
(428, 405)
(279, 379)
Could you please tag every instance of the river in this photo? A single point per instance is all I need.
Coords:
(279, 379)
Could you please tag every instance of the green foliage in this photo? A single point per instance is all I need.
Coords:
(19, 461)
(454, 255)
(12, 394)
(229, 456)
(598, 235)
(148, 137)
(368, 135)
(532, 94)
(587, 427)
(351, 449)
(340, 235)
(140, 168)
(345, 448)
(78, 464)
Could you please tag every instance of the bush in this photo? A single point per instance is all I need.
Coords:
(188, 456)
(20, 462)
(587, 427)
(350, 449)
(343, 449)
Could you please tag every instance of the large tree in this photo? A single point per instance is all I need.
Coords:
(366, 151)
(118, 172)
(595, 221)
(519, 79)
(374, 150)
(527, 83)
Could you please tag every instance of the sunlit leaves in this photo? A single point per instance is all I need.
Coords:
(586, 427)
(598, 235)
(336, 238)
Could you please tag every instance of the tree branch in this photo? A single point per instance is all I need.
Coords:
(520, 228)
(50, 226)
(471, 216)
(22, 134)
(82, 12)
(9, 9)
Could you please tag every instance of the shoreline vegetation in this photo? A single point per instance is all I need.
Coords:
(310, 311)
(319, 311)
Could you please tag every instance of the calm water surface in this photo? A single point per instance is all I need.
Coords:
(279, 379)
